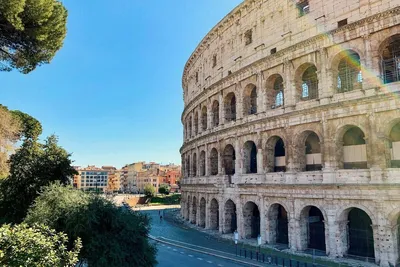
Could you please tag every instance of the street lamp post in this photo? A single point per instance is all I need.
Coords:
(236, 236)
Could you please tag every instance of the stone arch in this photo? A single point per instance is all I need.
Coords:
(202, 163)
(202, 218)
(251, 220)
(278, 221)
(250, 157)
(356, 232)
(190, 127)
(214, 161)
(204, 125)
(394, 143)
(194, 165)
(215, 113)
(229, 159)
(275, 154)
(306, 79)
(310, 152)
(312, 229)
(275, 91)
(230, 107)
(389, 52)
(352, 148)
(188, 173)
(394, 222)
(194, 211)
(250, 100)
(214, 214)
(230, 221)
(196, 123)
(347, 71)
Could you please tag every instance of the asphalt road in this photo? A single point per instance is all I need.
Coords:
(169, 256)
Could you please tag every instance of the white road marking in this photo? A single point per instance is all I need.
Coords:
(168, 247)
(200, 259)
(210, 262)
(163, 245)
(182, 252)
(174, 250)
(190, 256)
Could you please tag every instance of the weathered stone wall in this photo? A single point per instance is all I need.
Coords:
(312, 129)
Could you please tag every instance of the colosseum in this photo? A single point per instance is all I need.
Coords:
(292, 127)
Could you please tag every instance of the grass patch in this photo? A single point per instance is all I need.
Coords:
(166, 200)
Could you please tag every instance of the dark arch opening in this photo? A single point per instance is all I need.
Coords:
(313, 153)
(390, 58)
(361, 238)
(251, 220)
(202, 219)
(194, 165)
(204, 119)
(194, 211)
(215, 113)
(312, 229)
(229, 160)
(214, 161)
(395, 146)
(230, 107)
(278, 225)
(354, 149)
(280, 156)
(230, 223)
(250, 157)
(214, 214)
(202, 163)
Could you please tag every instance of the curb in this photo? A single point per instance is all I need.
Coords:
(207, 253)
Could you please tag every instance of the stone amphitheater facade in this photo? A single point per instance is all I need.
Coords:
(292, 127)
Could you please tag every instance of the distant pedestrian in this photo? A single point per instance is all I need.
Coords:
(160, 218)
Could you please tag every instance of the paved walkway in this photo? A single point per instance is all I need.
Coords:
(162, 207)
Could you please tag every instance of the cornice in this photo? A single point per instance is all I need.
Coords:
(229, 80)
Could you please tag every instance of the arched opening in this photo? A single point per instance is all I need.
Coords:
(190, 127)
(251, 220)
(278, 225)
(214, 161)
(275, 91)
(189, 201)
(202, 219)
(202, 163)
(230, 222)
(349, 75)
(194, 211)
(196, 123)
(214, 214)
(194, 165)
(275, 155)
(230, 107)
(250, 157)
(250, 100)
(395, 146)
(229, 160)
(204, 118)
(215, 113)
(390, 60)
(357, 236)
(309, 84)
(354, 149)
(188, 166)
(313, 154)
(312, 229)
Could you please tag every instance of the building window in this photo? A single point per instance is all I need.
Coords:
(349, 73)
(214, 61)
(279, 99)
(304, 7)
(391, 60)
(273, 51)
(342, 23)
(309, 86)
(248, 37)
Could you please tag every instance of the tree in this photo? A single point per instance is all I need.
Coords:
(32, 167)
(163, 190)
(111, 236)
(31, 32)
(31, 128)
(149, 190)
(21, 245)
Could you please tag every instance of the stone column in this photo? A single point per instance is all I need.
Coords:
(375, 150)
(341, 237)
(290, 86)
(238, 161)
(261, 92)
(330, 233)
(239, 101)
(207, 161)
(221, 216)
(325, 78)
(328, 146)
(220, 158)
(207, 213)
(293, 231)
(239, 216)
(370, 63)
(260, 165)
(221, 109)
(263, 220)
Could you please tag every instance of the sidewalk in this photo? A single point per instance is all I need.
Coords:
(161, 207)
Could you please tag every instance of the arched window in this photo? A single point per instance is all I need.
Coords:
(204, 118)
(309, 86)
(250, 157)
(190, 127)
(215, 113)
(354, 149)
(214, 161)
(194, 165)
(202, 163)
(250, 100)
(230, 107)
(394, 138)
(275, 91)
(196, 123)
(349, 72)
(390, 58)
(229, 160)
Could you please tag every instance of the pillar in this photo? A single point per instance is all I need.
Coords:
(238, 161)
(328, 148)
(290, 86)
(260, 167)
(221, 108)
(261, 92)
(325, 78)
(263, 220)
(375, 150)
(207, 161)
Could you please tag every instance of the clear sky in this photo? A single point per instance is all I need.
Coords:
(113, 93)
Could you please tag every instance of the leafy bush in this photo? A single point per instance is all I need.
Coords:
(111, 236)
(163, 190)
(21, 245)
(149, 190)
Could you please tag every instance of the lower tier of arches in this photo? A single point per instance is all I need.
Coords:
(337, 227)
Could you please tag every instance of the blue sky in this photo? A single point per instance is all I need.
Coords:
(113, 93)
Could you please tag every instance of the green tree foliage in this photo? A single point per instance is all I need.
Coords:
(31, 128)
(33, 166)
(111, 236)
(149, 190)
(21, 245)
(163, 189)
(31, 32)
